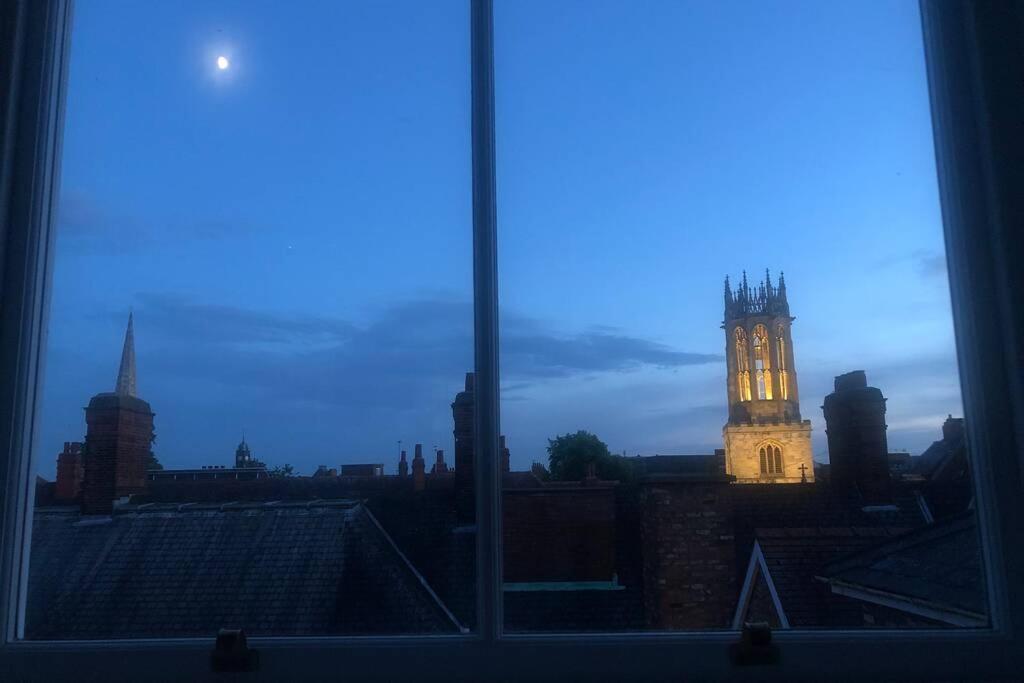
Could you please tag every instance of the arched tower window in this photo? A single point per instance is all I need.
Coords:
(762, 363)
(771, 459)
(742, 364)
(780, 345)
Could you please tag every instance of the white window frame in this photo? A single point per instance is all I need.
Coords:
(974, 72)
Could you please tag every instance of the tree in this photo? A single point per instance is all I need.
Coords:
(151, 460)
(569, 455)
(282, 471)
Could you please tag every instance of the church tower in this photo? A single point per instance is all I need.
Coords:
(118, 438)
(766, 441)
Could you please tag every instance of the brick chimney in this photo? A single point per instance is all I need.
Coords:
(952, 428)
(419, 475)
(403, 466)
(118, 439)
(69, 472)
(858, 450)
(463, 414)
(440, 467)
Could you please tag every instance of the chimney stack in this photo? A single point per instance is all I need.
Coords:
(440, 467)
(403, 466)
(463, 413)
(70, 472)
(419, 477)
(858, 450)
(952, 428)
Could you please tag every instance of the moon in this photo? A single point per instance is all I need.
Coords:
(223, 63)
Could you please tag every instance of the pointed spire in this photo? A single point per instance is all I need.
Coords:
(728, 290)
(126, 373)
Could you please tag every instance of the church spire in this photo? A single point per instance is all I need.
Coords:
(126, 373)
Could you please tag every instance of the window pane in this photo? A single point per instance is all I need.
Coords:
(729, 387)
(263, 299)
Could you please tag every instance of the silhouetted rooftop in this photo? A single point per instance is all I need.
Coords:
(174, 570)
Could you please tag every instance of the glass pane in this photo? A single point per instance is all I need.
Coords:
(729, 385)
(263, 300)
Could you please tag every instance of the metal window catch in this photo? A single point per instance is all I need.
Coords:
(755, 646)
(231, 652)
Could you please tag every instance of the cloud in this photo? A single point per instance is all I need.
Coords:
(407, 354)
(931, 264)
(927, 263)
(94, 225)
(180, 318)
(548, 355)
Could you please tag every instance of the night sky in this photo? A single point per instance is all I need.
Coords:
(293, 233)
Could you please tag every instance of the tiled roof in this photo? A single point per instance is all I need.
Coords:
(283, 488)
(939, 565)
(171, 570)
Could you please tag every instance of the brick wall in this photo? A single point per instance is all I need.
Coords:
(118, 440)
(689, 564)
(559, 535)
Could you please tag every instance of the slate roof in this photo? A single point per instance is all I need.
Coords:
(167, 570)
(939, 565)
(795, 556)
(944, 458)
(818, 504)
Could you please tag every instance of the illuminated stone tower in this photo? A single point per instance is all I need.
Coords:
(766, 441)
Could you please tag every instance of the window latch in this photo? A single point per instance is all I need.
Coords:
(231, 652)
(755, 646)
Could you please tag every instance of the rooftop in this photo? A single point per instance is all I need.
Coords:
(176, 570)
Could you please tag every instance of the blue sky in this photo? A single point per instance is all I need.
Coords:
(293, 233)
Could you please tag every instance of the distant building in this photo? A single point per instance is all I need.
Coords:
(244, 458)
(766, 440)
(363, 470)
(325, 471)
(118, 438)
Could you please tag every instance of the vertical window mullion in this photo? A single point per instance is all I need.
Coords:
(485, 323)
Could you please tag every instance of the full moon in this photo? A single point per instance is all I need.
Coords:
(223, 63)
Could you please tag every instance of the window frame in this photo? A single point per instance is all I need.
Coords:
(973, 63)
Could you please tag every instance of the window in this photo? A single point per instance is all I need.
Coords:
(771, 459)
(742, 364)
(264, 300)
(625, 422)
(762, 363)
(985, 302)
